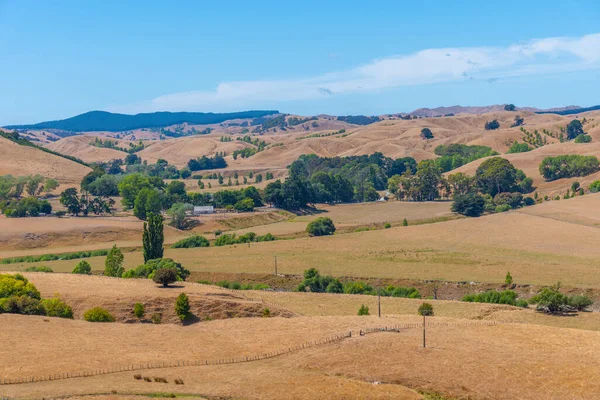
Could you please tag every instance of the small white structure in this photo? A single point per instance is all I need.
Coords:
(198, 210)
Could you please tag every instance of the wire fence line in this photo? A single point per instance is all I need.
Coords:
(236, 360)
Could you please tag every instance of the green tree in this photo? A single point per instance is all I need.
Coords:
(425, 309)
(182, 306)
(153, 237)
(50, 185)
(363, 310)
(492, 125)
(509, 279)
(321, 226)
(130, 186)
(470, 204)
(148, 200)
(496, 175)
(426, 133)
(246, 204)
(70, 200)
(509, 107)
(165, 276)
(179, 216)
(83, 268)
(113, 266)
(574, 129)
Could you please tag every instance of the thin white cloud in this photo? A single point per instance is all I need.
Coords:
(540, 56)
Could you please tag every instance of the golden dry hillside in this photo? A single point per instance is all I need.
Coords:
(20, 160)
(81, 147)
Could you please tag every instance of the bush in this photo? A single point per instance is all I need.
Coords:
(550, 300)
(595, 187)
(265, 238)
(513, 200)
(139, 310)
(321, 226)
(83, 268)
(165, 276)
(98, 314)
(425, 310)
(358, 288)
(156, 318)
(17, 285)
(580, 302)
(38, 268)
(493, 297)
(246, 204)
(528, 201)
(426, 133)
(266, 313)
(470, 204)
(522, 303)
(387, 225)
(182, 306)
(261, 286)
(518, 148)
(363, 310)
(191, 242)
(502, 208)
(583, 139)
(23, 305)
(226, 239)
(406, 292)
(57, 308)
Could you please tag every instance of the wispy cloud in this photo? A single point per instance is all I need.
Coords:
(539, 56)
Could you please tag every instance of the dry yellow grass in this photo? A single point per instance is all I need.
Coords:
(535, 249)
(19, 160)
(80, 147)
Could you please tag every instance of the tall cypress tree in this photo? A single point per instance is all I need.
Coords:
(153, 237)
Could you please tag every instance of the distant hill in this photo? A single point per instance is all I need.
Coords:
(441, 111)
(111, 122)
(569, 110)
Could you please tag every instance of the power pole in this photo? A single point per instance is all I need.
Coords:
(275, 265)
(423, 330)
(379, 300)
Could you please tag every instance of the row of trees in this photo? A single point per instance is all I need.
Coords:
(567, 166)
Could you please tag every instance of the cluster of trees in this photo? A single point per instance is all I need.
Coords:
(204, 163)
(567, 166)
(426, 133)
(456, 155)
(317, 283)
(249, 237)
(19, 197)
(426, 184)
(517, 147)
(550, 300)
(84, 204)
(110, 144)
(358, 119)
(496, 187)
(19, 296)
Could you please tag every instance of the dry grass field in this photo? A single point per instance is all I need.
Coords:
(536, 249)
(20, 160)
(81, 147)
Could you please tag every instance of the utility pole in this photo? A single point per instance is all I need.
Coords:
(423, 330)
(379, 299)
(275, 265)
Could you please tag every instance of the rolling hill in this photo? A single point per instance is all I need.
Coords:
(106, 121)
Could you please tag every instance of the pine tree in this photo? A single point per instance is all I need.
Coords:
(153, 237)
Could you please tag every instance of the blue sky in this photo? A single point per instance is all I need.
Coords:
(59, 59)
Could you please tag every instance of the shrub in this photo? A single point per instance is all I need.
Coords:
(522, 303)
(321, 226)
(595, 187)
(425, 310)
(236, 286)
(405, 222)
(363, 310)
(513, 200)
(265, 238)
(24, 305)
(334, 286)
(583, 138)
(494, 297)
(156, 318)
(518, 148)
(406, 292)
(357, 288)
(528, 201)
(113, 265)
(57, 308)
(191, 242)
(574, 129)
(261, 286)
(182, 306)
(223, 284)
(502, 208)
(98, 314)
(165, 276)
(580, 302)
(426, 133)
(508, 280)
(266, 313)
(226, 239)
(387, 225)
(83, 268)
(247, 237)
(17, 285)
(550, 300)
(38, 268)
(139, 310)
